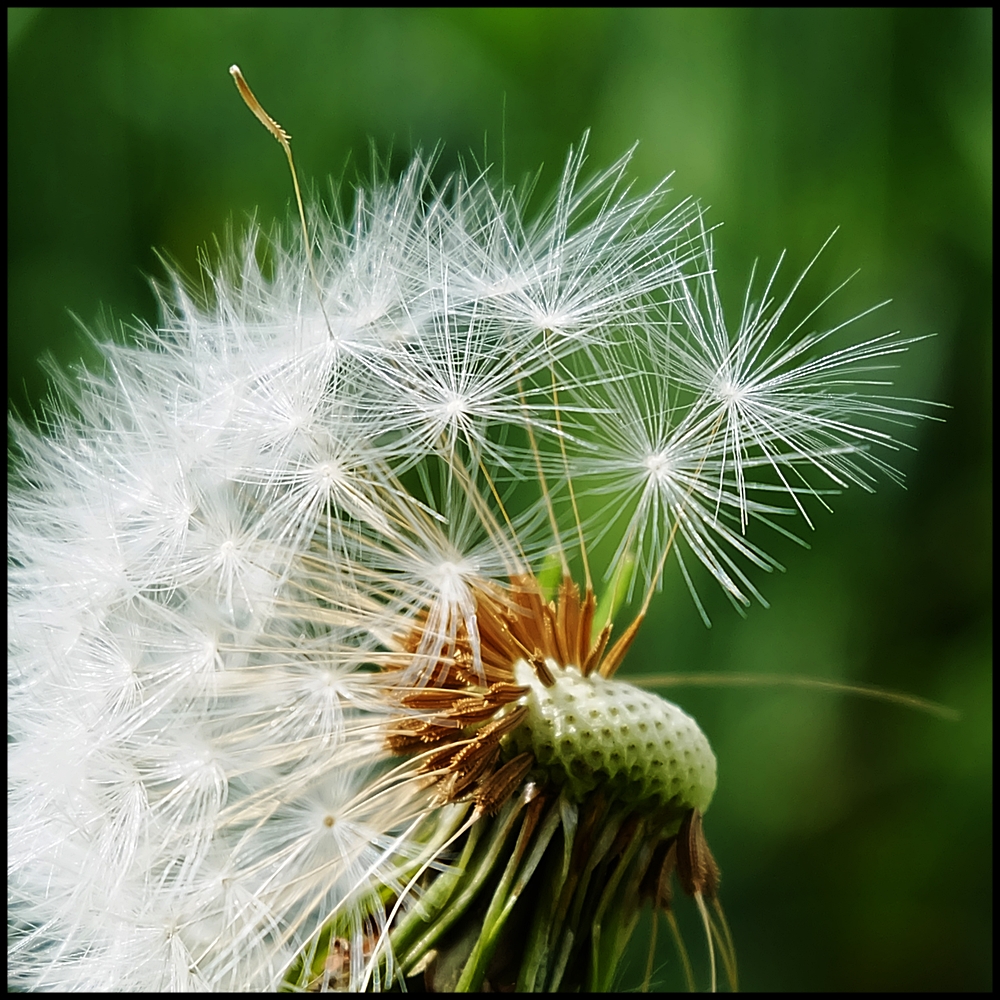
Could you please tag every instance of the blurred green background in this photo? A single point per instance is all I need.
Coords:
(854, 837)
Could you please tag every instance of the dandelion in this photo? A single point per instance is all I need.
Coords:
(313, 667)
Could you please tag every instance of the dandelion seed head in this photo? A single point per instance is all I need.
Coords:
(283, 620)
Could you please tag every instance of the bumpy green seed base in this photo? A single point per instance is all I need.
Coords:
(590, 732)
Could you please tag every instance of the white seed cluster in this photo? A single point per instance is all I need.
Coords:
(591, 732)
(215, 537)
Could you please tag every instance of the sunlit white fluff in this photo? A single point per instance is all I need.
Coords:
(218, 540)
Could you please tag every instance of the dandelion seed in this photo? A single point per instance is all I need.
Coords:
(303, 693)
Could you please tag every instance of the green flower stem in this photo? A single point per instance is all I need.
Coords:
(534, 966)
(503, 900)
(605, 960)
(473, 878)
(538, 972)
(435, 897)
(577, 888)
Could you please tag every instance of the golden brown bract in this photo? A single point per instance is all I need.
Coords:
(458, 722)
